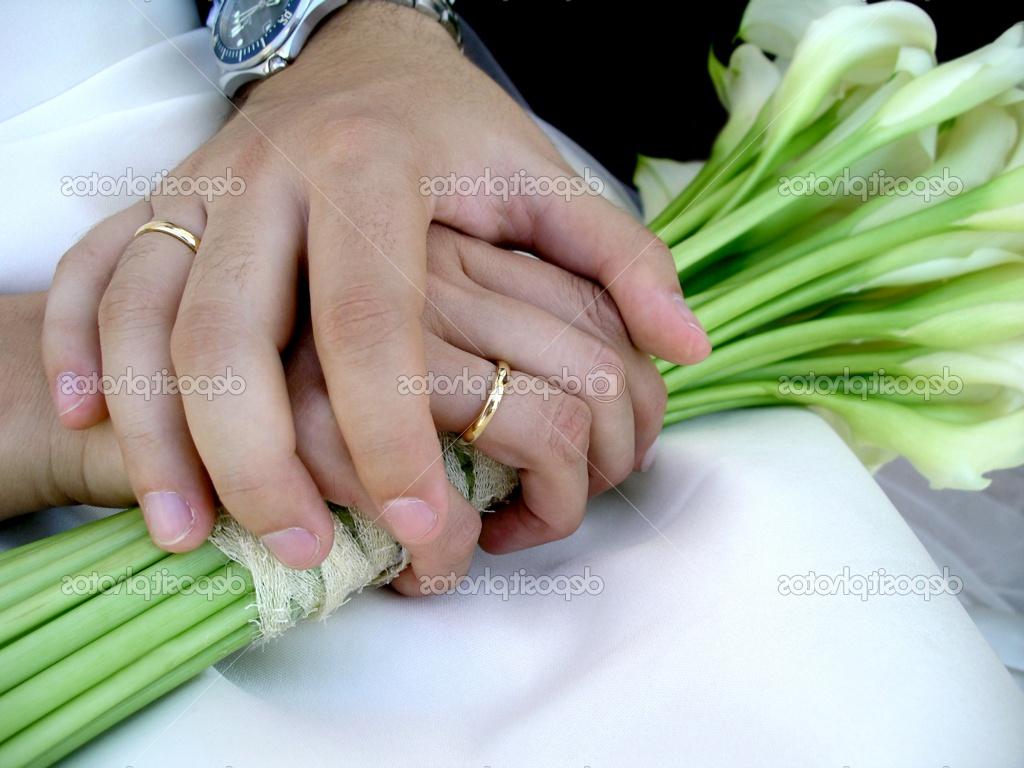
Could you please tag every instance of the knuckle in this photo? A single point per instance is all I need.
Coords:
(353, 139)
(138, 435)
(238, 483)
(561, 526)
(383, 449)
(132, 305)
(358, 319)
(82, 255)
(568, 429)
(252, 150)
(463, 533)
(564, 526)
(601, 311)
(618, 471)
(605, 361)
(205, 332)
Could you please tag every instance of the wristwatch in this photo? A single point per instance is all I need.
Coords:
(253, 39)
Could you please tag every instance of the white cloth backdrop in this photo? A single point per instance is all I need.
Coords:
(686, 653)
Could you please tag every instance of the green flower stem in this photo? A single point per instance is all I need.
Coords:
(695, 251)
(65, 634)
(209, 656)
(803, 270)
(722, 177)
(703, 245)
(176, 660)
(719, 393)
(891, 361)
(809, 294)
(684, 414)
(15, 563)
(68, 590)
(695, 215)
(782, 343)
(663, 366)
(716, 172)
(719, 397)
(100, 659)
(79, 532)
(764, 259)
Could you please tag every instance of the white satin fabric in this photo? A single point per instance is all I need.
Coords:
(684, 651)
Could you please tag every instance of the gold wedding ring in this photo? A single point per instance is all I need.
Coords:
(165, 227)
(474, 430)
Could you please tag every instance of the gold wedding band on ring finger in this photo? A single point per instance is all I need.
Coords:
(167, 228)
(501, 377)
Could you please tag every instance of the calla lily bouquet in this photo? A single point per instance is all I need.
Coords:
(854, 243)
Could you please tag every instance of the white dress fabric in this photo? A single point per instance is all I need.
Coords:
(684, 643)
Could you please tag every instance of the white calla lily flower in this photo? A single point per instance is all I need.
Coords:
(956, 86)
(777, 26)
(949, 454)
(658, 180)
(743, 88)
(973, 151)
(850, 45)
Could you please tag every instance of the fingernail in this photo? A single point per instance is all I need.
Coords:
(168, 516)
(702, 346)
(409, 519)
(649, 457)
(67, 399)
(688, 317)
(295, 547)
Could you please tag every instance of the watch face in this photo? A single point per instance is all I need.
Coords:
(245, 28)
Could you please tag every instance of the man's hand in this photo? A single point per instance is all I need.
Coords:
(572, 419)
(334, 152)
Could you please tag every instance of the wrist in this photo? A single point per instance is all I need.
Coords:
(383, 22)
(361, 42)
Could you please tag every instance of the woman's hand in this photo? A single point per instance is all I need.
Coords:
(333, 152)
(582, 405)
(43, 464)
